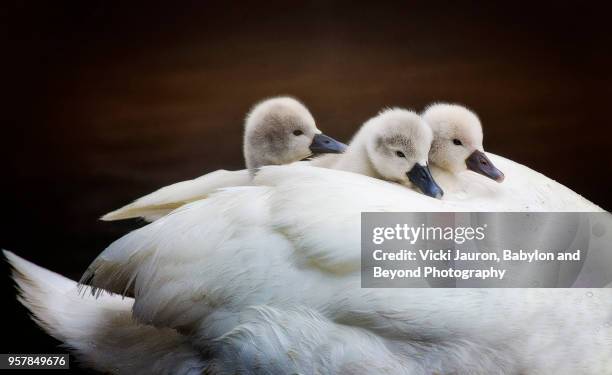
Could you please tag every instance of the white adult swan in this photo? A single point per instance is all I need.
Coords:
(293, 242)
(277, 131)
(457, 151)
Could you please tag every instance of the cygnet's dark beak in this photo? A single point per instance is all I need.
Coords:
(422, 178)
(480, 163)
(322, 144)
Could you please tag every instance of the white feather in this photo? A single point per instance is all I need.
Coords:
(159, 203)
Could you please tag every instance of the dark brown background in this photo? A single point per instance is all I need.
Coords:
(109, 101)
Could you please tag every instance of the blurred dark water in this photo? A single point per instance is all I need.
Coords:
(109, 101)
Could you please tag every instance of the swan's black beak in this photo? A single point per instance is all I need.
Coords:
(322, 144)
(422, 178)
(480, 163)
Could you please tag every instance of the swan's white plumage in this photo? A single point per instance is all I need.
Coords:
(101, 332)
(528, 190)
(102, 335)
(293, 240)
(284, 192)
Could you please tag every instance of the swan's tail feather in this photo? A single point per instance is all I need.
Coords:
(100, 331)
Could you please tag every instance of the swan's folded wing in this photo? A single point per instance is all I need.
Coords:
(242, 245)
(314, 212)
(162, 201)
(188, 234)
(319, 211)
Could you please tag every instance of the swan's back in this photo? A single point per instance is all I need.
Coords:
(528, 190)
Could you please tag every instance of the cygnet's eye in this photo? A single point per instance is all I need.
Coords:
(457, 142)
(400, 154)
(297, 132)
